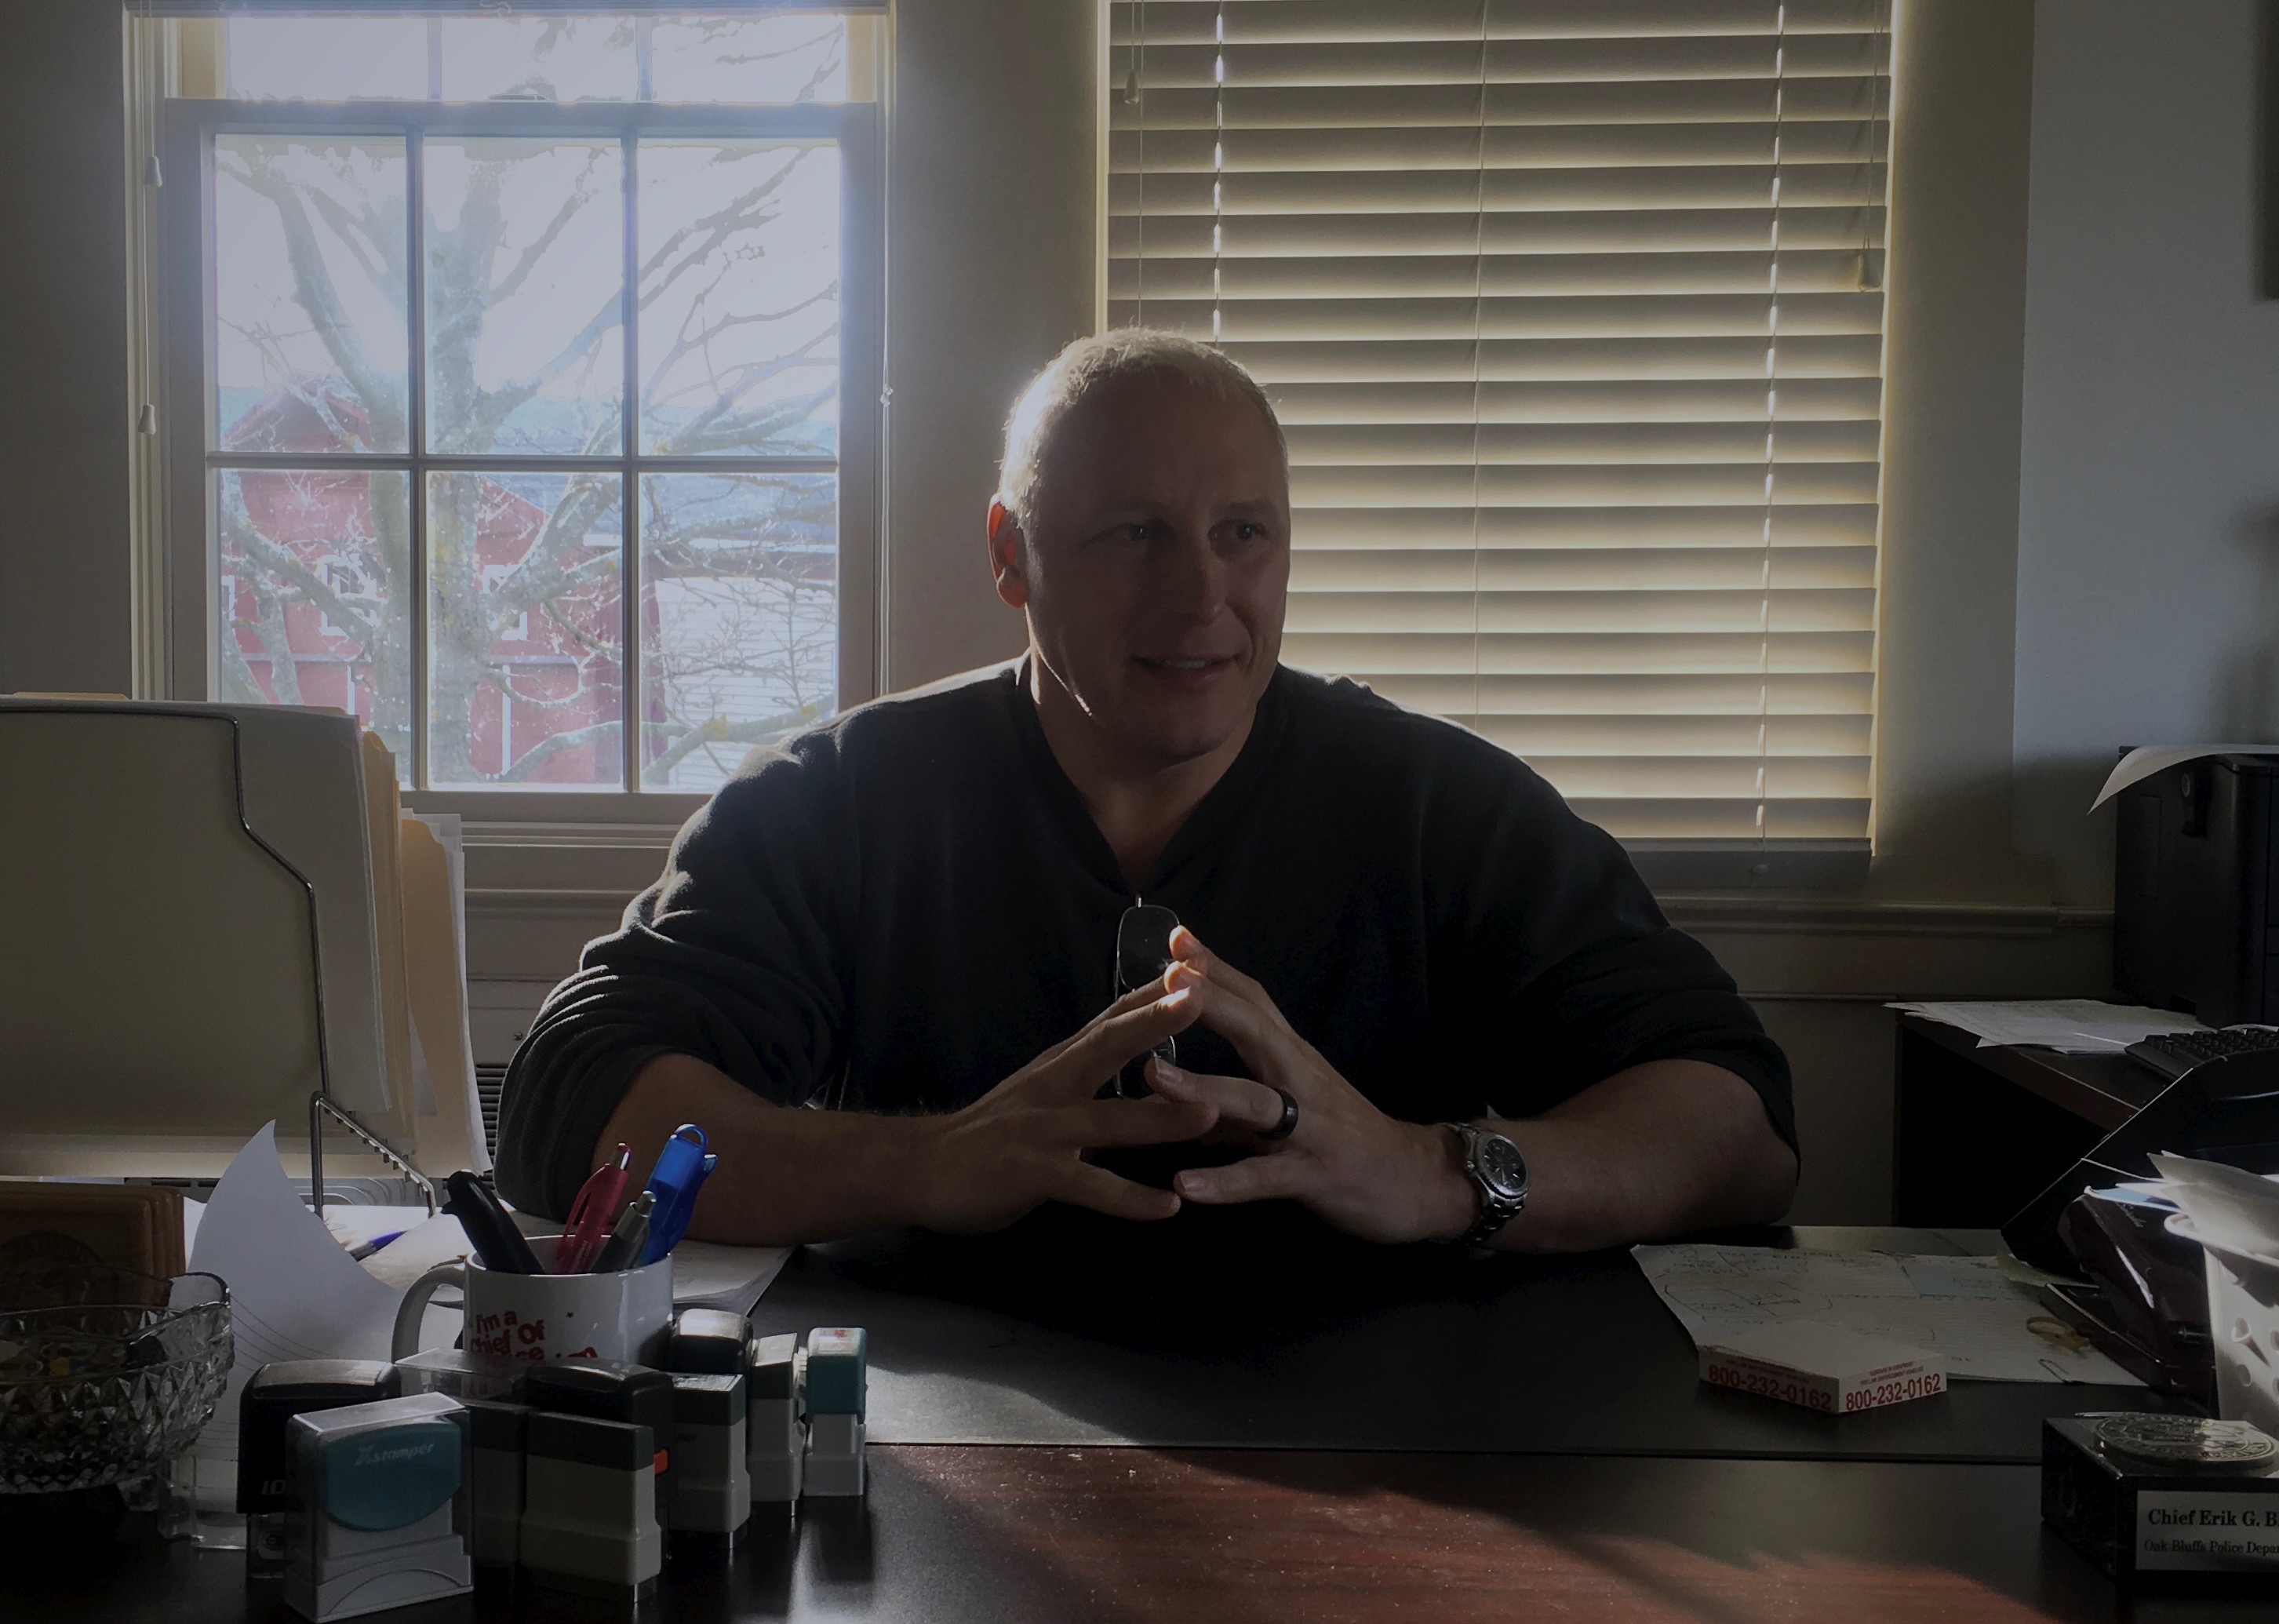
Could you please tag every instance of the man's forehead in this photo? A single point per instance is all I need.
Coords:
(1160, 439)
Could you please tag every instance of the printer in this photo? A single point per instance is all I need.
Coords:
(2196, 890)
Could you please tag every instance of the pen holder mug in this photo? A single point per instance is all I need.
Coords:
(515, 1319)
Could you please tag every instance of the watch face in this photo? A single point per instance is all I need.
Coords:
(1500, 1164)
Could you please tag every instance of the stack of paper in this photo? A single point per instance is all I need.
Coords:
(448, 1129)
(294, 1293)
(2225, 1207)
(1987, 1327)
(2069, 1025)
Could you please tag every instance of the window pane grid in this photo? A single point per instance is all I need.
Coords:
(542, 684)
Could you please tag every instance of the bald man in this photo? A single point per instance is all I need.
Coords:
(1387, 974)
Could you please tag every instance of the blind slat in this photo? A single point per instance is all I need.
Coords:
(1823, 271)
(1579, 444)
(1371, 63)
(1501, 192)
(1372, 21)
(1583, 696)
(1558, 316)
(1565, 568)
(1572, 310)
(1813, 400)
(1848, 356)
(1607, 654)
(1609, 526)
(1846, 140)
(1167, 238)
(1684, 612)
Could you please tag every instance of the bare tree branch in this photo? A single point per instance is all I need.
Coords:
(284, 672)
(546, 749)
(581, 194)
(282, 563)
(719, 730)
(313, 292)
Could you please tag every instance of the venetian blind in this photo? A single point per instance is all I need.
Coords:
(1572, 309)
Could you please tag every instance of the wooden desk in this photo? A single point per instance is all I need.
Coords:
(1002, 1536)
(1979, 1132)
(1525, 1439)
(1366, 1349)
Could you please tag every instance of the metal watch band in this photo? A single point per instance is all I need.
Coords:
(1497, 1208)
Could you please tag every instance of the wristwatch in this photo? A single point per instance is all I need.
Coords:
(1499, 1174)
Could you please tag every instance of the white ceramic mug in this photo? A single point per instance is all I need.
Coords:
(515, 1320)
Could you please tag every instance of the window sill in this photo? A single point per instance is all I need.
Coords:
(1675, 866)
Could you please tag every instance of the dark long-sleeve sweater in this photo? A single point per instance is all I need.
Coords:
(898, 909)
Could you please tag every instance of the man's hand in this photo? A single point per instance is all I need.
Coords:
(1354, 1166)
(1025, 1142)
(790, 1176)
(1661, 1148)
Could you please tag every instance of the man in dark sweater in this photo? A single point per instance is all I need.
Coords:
(1411, 993)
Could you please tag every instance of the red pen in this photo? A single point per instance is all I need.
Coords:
(592, 1214)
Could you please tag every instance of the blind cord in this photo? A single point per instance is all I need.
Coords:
(1218, 157)
(1879, 128)
(1479, 281)
(1139, 99)
(1763, 864)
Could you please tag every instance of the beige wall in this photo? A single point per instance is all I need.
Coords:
(991, 267)
(2148, 545)
(64, 414)
(993, 221)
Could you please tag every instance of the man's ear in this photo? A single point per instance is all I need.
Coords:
(1009, 555)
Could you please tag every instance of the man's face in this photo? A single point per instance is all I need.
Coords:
(1156, 565)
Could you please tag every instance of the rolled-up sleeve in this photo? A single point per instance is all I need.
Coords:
(731, 957)
(1553, 925)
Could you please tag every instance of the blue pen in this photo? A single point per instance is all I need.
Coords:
(682, 1167)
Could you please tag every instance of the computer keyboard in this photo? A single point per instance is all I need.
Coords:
(2173, 1053)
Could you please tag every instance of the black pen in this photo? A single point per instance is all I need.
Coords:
(489, 1230)
(627, 1240)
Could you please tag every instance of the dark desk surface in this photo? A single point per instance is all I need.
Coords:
(1001, 1535)
(1364, 1350)
(2106, 1090)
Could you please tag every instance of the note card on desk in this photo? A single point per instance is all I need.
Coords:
(1988, 1327)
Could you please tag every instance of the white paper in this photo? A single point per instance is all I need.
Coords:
(706, 1274)
(2069, 1025)
(2146, 760)
(1987, 1327)
(420, 1242)
(294, 1293)
(2226, 1205)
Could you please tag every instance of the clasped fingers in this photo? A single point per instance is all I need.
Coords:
(1237, 1102)
(1130, 1028)
(1116, 1124)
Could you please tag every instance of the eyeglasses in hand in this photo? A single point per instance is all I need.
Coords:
(1143, 953)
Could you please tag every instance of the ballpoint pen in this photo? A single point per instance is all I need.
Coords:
(365, 1251)
(625, 1241)
(489, 1230)
(682, 1167)
(587, 1229)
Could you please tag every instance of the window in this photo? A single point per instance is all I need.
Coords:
(1573, 311)
(523, 383)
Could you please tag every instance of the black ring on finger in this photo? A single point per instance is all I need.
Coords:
(1288, 1125)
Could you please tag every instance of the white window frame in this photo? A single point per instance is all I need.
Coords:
(187, 280)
